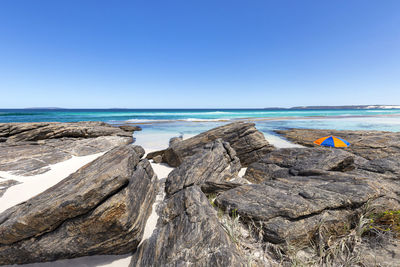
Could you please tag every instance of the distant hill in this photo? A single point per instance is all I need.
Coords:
(340, 107)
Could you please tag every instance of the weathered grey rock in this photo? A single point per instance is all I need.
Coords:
(378, 253)
(389, 166)
(30, 148)
(16, 132)
(299, 161)
(249, 144)
(100, 209)
(214, 162)
(75, 195)
(367, 144)
(210, 187)
(174, 140)
(4, 185)
(188, 233)
(291, 209)
(157, 159)
(154, 154)
(130, 128)
(375, 151)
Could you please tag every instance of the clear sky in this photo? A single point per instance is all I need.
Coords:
(198, 54)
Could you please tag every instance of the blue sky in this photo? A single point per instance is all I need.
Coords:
(198, 54)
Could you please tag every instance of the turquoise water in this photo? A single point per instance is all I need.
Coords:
(188, 121)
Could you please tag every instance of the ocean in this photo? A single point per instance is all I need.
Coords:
(174, 122)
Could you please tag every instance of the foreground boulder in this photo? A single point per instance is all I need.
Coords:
(291, 209)
(215, 162)
(100, 209)
(188, 233)
(29, 148)
(249, 144)
(299, 161)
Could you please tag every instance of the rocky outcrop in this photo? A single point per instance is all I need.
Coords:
(158, 159)
(175, 140)
(100, 209)
(214, 162)
(291, 209)
(188, 233)
(367, 144)
(299, 161)
(375, 151)
(29, 148)
(17, 132)
(103, 207)
(249, 144)
(211, 187)
(130, 128)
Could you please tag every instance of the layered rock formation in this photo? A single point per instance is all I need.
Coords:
(377, 152)
(299, 161)
(291, 209)
(188, 233)
(29, 148)
(103, 207)
(249, 144)
(215, 162)
(100, 209)
(371, 145)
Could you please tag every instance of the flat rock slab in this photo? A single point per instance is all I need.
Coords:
(376, 151)
(367, 144)
(299, 161)
(188, 233)
(100, 209)
(249, 144)
(29, 148)
(290, 209)
(17, 132)
(214, 162)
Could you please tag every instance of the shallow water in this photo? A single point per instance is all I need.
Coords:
(177, 122)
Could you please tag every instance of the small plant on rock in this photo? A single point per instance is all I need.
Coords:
(387, 221)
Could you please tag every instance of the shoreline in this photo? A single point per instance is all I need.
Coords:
(249, 119)
(189, 119)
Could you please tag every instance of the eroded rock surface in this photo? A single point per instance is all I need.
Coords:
(188, 233)
(299, 161)
(291, 209)
(367, 144)
(29, 148)
(100, 209)
(214, 162)
(17, 132)
(249, 144)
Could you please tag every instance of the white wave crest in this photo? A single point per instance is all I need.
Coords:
(145, 120)
(200, 120)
